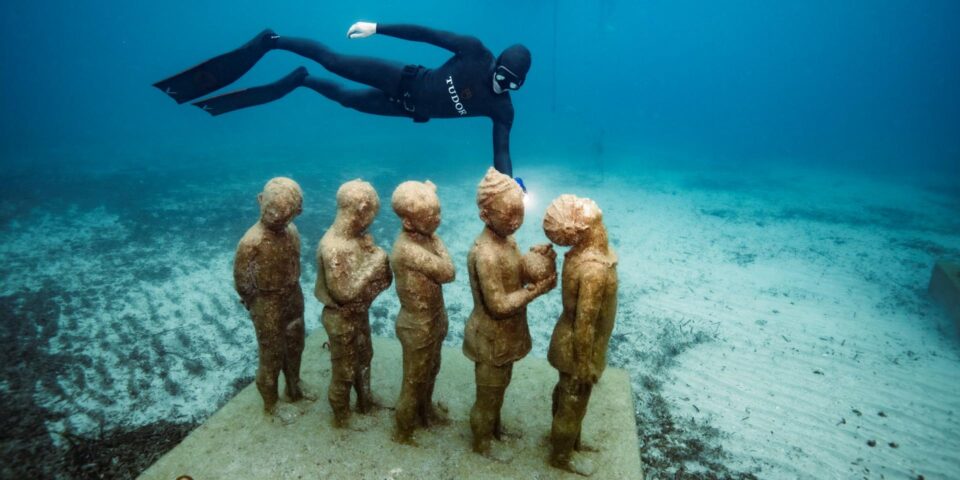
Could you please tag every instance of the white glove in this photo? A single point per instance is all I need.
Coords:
(361, 30)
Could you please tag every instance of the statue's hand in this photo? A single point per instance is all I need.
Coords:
(362, 30)
(547, 284)
(545, 249)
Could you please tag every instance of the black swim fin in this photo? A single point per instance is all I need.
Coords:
(219, 71)
(249, 97)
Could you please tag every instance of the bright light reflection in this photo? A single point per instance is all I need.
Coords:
(527, 200)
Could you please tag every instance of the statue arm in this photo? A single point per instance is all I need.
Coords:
(244, 280)
(320, 291)
(295, 233)
(381, 276)
(449, 270)
(589, 298)
(499, 303)
(436, 266)
(356, 284)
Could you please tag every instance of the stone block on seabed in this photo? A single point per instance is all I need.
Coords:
(239, 442)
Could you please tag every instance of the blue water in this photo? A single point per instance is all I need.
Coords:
(861, 82)
(617, 90)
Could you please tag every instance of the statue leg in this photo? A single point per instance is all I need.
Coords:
(556, 398)
(406, 412)
(505, 376)
(341, 379)
(270, 343)
(294, 334)
(365, 400)
(485, 414)
(410, 391)
(429, 412)
(571, 405)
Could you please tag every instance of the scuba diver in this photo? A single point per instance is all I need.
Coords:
(472, 83)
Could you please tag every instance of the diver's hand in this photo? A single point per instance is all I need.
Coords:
(361, 30)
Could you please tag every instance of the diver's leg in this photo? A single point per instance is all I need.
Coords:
(377, 73)
(367, 100)
(219, 71)
(249, 97)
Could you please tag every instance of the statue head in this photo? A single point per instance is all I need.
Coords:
(417, 205)
(280, 201)
(568, 217)
(357, 205)
(500, 199)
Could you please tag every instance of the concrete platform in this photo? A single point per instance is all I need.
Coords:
(945, 287)
(240, 442)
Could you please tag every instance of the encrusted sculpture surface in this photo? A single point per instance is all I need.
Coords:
(497, 334)
(351, 271)
(421, 265)
(266, 274)
(578, 348)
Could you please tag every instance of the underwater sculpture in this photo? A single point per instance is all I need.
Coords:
(351, 271)
(266, 274)
(497, 333)
(421, 265)
(578, 348)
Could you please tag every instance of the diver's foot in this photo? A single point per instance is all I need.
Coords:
(293, 79)
(579, 465)
(285, 413)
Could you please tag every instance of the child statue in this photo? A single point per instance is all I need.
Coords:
(351, 272)
(497, 333)
(421, 264)
(578, 349)
(266, 273)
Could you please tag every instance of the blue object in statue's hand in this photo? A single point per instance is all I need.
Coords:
(520, 182)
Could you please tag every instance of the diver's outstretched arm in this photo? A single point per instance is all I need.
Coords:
(454, 42)
(502, 123)
(501, 148)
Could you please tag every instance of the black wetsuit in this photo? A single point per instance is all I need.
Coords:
(461, 87)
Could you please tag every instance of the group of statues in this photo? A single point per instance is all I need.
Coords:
(352, 271)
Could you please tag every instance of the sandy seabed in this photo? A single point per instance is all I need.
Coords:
(774, 324)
